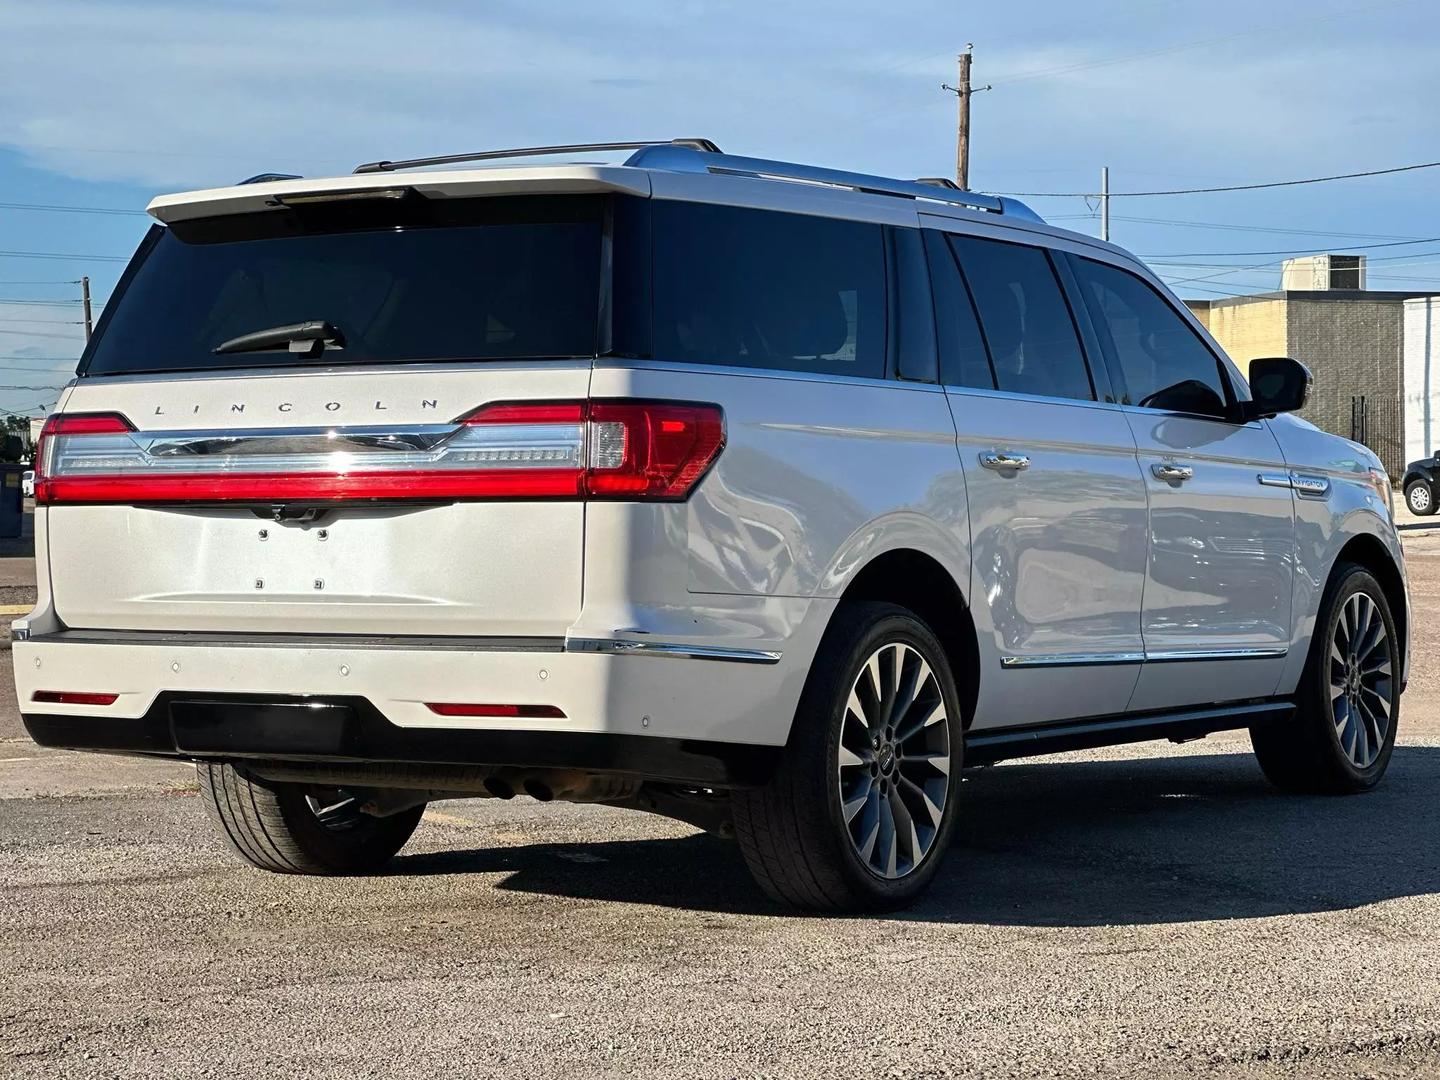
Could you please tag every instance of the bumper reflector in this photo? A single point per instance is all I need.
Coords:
(522, 712)
(73, 697)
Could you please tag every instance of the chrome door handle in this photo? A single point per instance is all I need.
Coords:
(1172, 473)
(1000, 461)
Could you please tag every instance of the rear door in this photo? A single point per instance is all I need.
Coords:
(1218, 589)
(409, 478)
(1057, 505)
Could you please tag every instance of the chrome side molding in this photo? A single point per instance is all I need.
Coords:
(674, 650)
(1159, 656)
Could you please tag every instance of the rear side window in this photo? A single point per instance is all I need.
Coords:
(406, 279)
(963, 360)
(1027, 324)
(1164, 363)
(759, 288)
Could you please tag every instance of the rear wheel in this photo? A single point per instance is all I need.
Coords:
(1348, 704)
(861, 808)
(1420, 498)
(299, 828)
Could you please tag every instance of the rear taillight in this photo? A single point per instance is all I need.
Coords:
(636, 450)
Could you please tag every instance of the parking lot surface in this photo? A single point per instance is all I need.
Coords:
(1146, 911)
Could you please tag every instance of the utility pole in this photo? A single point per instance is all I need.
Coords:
(85, 299)
(1105, 202)
(962, 93)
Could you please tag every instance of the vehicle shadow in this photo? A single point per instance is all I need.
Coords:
(1142, 841)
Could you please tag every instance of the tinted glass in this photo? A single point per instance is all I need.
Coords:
(914, 314)
(963, 359)
(1164, 363)
(419, 280)
(756, 288)
(1027, 324)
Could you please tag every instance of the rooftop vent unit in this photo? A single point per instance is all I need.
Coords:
(1323, 273)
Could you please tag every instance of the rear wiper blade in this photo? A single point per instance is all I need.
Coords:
(307, 339)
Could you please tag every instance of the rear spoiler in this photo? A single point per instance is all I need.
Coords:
(268, 195)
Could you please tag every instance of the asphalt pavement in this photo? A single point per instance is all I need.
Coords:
(1150, 911)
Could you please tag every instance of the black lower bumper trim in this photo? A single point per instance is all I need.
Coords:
(350, 729)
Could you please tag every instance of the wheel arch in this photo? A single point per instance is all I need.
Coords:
(1368, 551)
(920, 583)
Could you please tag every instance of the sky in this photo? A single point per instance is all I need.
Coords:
(105, 103)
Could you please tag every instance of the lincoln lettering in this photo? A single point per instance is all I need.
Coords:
(242, 407)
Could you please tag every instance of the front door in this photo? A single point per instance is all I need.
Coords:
(1217, 609)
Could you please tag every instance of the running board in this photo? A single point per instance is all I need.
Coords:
(992, 745)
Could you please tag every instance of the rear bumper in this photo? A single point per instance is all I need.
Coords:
(257, 727)
(688, 713)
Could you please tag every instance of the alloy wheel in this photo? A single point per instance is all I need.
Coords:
(1419, 498)
(894, 761)
(1362, 682)
(335, 808)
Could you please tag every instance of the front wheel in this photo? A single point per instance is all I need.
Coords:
(1419, 498)
(1348, 702)
(861, 808)
(299, 828)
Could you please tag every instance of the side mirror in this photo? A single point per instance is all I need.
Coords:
(1277, 384)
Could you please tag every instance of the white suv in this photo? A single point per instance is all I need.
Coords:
(758, 495)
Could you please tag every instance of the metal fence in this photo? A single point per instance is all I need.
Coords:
(1377, 421)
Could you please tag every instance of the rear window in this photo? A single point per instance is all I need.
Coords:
(417, 279)
(764, 289)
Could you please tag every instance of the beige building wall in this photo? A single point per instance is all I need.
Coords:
(1249, 330)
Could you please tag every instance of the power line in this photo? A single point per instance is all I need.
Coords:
(76, 281)
(1287, 251)
(1232, 227)
(1230, 187)
(62, 255)
(45, 322)
(41, 333)
(38, 303)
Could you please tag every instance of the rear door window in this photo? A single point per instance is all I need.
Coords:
(764, 289)
(404, 279)
(1031, 334)
(1163, 362)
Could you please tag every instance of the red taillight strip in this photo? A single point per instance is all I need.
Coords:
(73, 697)
(320, 487)
(632, 450)
(522, 712)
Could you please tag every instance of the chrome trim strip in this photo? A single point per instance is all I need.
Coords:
(1317, 487)
(1156, 657)
(630, 647)
(1071, 659)
(1166, 656)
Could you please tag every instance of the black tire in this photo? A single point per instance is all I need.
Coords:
(793, 831)
(275, 827)
(1307, 755)
(1420, 490)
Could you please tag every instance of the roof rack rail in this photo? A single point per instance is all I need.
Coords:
(703, 145)
(684, 159)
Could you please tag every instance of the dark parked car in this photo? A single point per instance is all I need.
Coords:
(1420, 482)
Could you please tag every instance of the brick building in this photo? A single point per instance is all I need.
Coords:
(1372, 353)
